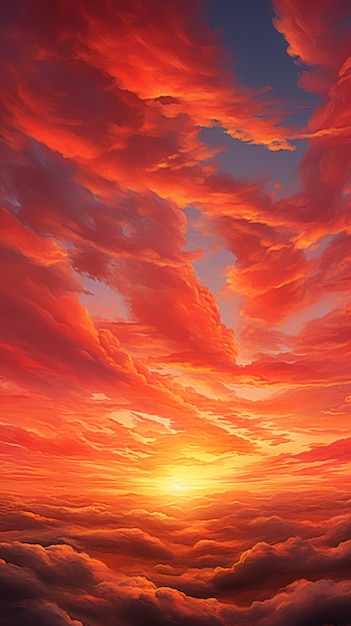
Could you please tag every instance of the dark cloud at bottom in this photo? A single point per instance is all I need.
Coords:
(95, 564)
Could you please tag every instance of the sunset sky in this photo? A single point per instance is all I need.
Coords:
(175, 313)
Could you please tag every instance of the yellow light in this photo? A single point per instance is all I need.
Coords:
(181, 482)
(178, 485)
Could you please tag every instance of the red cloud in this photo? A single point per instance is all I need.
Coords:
(313, 29)
(231, 379)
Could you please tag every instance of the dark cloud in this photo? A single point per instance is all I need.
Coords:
(109, 597)
(130, 541)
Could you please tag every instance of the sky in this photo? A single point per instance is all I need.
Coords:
(175, 313)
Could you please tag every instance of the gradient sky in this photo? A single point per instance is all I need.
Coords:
(175, 317)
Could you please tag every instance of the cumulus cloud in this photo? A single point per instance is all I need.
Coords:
(174, 338)
(134, 599)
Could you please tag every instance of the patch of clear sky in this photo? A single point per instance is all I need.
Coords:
(259, 59)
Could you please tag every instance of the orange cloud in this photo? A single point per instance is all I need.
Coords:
(162, 460)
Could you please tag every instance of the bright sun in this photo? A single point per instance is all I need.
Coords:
(182, 485)
(188, 480)
(178, 485)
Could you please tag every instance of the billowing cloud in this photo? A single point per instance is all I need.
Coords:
(175, 314)
(135, 598)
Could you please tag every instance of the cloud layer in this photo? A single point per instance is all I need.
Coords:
(174, 337)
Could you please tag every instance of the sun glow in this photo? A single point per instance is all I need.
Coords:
(184, 481)
(179, 486)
